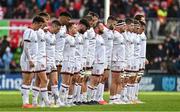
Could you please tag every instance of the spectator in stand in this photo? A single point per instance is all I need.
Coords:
(21, 11)
(161, 17)
(159, 58)
(4, 45)
(16, 56)
(1, 13)
(73, 11)
(151, 14)
(7, 58)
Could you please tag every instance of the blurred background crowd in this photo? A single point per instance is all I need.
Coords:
(163, 26)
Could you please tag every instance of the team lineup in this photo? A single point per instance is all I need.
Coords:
(83, 56)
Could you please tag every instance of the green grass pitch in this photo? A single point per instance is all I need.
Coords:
(154, 101)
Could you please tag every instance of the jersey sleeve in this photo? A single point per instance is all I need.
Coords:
(27, 43)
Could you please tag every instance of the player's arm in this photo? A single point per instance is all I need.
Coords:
(27, 44)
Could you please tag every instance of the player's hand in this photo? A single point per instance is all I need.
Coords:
(31, 64)
(146, 62)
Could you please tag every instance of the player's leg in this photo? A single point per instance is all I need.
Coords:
(43, 87)
(54, 87)
(25, 88)
(101, 85)
(84, 88)
(71, 89)
(113, 87)
(35, 91)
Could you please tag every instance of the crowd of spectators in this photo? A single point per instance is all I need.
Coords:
(20, 9)
(10, 53)
(165, 56)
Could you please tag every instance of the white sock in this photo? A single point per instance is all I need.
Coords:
(98, 93)
(44, 94)
(70, 99)
(89, 93)
(102, 91)
(78, 94)
(112, 98)
(50, 96)
(136, 91)
(35, 94)
(25, 93)
(129, 91)
(124, 92)
(41, 101)
(94, 94)
(64, 92)
(84, 97)
(75, 92)
(55, 93)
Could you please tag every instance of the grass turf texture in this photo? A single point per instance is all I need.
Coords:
(154, 101)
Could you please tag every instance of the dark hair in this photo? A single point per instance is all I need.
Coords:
(138, 17)
(136, 22)
(85, 22)
(88, 17)
(129, 21)
(97, 24)
(69, 25)
(93, 14)
(38, 19)
(112, 18)
(141, 19)
(67, 14)
(120, 22)
(56, 22)
(44, 14)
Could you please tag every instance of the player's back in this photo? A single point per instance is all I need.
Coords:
(69, 49)
(79, 45)
(41, 43)
(118, 52)
(100, 50)
(50, 46)
(30, 43)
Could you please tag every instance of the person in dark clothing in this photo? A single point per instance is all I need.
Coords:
(3, 46)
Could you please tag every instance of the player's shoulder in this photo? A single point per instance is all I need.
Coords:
(27, 30)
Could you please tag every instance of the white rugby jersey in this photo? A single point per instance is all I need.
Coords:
(41, 43)
(30, 45)
(79, 46)
(143, 39)
(100, 50)
(137, 46)
(50, 47)
(118, 51)
(92, 44)
(85, 45)
(129, 45)
(69, 49)
(108, 39)
(60, 42)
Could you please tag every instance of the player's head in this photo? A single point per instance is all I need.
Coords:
(120, 26)
(83, 26)
(37, 22)
(55, 26)
(129, 24)
(99, 28)
(46, 18)
(72, 28)
(111, 22)
(89, 18)
(136, 26)
(142, 27)
(64, 18)
(140, 18)
(95, 17)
